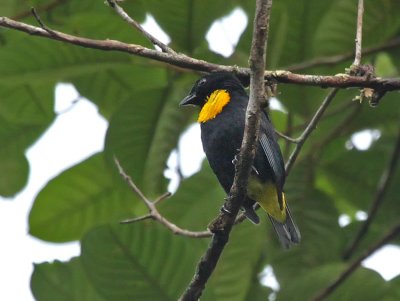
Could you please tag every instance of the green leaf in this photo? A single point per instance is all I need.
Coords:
(201, 188)
(187, 22)
(24, 115)
(143, 261)
(51, 61)
(109, 89)
(380, 22)
(355, 185)
(10, 7)
(292, 27)
(394, 291)
(142, 134)
(14, 171)
(239, 263)
(78, 199)
(364, 284)
(62, 281)
(258, 292)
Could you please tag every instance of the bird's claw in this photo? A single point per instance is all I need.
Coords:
(235, 160)
(224, 210)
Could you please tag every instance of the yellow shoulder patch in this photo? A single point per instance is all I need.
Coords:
(214, 105)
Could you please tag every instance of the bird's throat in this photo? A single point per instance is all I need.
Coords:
(214, 105)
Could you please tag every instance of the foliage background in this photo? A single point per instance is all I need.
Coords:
(140, 99)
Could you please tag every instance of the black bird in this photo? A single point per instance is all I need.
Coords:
(223, 102)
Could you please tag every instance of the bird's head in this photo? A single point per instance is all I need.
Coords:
(209, 85)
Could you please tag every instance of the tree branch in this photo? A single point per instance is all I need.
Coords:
(222, 225)
(183, 61)
(311, 126)
(153, 212)
(381, 190)
(357, 58)
(120, 11)
(393, 233)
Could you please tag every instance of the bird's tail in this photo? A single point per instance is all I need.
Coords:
(287, 232)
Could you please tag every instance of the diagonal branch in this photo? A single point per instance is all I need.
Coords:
(307, 132)
(153, 211)
(183, 61)
(222, 225)
(392, 234)
(381, 190)
(120, 11)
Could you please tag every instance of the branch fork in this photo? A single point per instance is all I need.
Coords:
(153, 211)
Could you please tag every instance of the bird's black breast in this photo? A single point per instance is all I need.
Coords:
(222, 138)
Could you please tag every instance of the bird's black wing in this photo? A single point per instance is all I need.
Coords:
(273, 154)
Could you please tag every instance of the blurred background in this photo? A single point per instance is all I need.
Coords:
(65, 111)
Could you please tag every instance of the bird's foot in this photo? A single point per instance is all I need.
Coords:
(235, 160)
(225, 210)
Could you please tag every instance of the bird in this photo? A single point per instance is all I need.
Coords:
(223, 100)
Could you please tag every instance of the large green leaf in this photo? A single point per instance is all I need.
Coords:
(142, 134)
(63, 282)
(24, 114)
(232, 279)
(30, 60)
(9, 7)
(350, 178)
(111, 88)
(14, 170)
(394, 291)
(78, 199)
(187, 21)
(200, 196)
(258, 292)
(143, 261)
(362, 285)
(380, 22)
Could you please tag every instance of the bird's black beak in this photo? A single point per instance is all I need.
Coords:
(189, 100)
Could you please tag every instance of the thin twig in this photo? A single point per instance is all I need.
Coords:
(289, 139)
(153, 211)
(162, 197)
(357, 58)
(392, 234)
(42, 8)
(339, 58)
(136, 219)
(380, 193)
(222, 225)
(120, 11)
(184, 61)
(311, 126)
(39, 20)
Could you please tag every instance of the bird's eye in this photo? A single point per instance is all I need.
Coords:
(202, 82)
